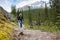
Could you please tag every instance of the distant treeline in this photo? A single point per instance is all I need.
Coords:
(41, 16)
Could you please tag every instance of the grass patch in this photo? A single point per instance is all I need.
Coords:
(51, 29)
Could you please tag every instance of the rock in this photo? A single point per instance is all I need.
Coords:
(4, 15)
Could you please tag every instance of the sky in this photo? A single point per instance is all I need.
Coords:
(6, 4)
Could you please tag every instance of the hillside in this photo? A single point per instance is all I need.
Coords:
(4, 15)
(6, 27)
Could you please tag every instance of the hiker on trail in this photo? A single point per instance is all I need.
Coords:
(20, 18)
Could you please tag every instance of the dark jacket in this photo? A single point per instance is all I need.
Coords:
(20, 17)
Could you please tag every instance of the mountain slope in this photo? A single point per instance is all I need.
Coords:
(6, 28)
(4, 15)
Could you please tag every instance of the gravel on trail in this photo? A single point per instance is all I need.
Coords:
(33, 35)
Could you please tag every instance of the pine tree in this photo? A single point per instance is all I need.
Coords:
(18, 12)
(46, 12)
(56, 10)
(13, 12)
(29, 16)
(38, 18)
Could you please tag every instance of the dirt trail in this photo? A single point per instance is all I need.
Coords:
(33, 35)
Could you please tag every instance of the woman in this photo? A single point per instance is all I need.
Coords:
(20, 18)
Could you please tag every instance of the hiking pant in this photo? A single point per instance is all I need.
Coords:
(20, 23)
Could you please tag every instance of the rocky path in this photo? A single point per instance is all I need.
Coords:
(33, 35)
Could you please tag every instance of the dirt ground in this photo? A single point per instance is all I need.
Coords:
(33, 35)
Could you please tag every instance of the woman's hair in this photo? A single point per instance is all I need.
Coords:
(20, 14)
